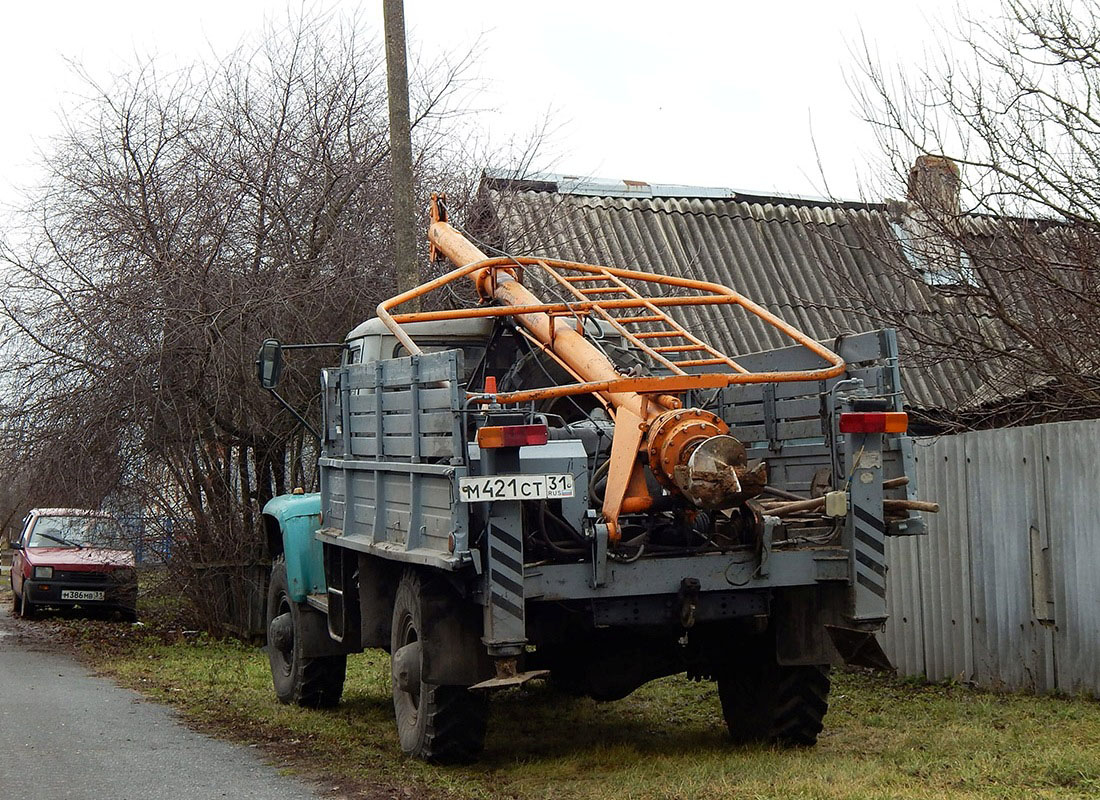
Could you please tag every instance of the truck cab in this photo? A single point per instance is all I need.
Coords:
(372, 341)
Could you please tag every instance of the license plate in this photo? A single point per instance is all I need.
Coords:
(515, 487)
(78, 594)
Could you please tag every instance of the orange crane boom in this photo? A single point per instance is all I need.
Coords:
(688, 450)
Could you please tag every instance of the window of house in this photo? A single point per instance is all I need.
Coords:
(952, 271)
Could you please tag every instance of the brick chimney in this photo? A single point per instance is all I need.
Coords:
(934, 186)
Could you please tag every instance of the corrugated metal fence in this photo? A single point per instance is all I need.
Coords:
(1004, 591)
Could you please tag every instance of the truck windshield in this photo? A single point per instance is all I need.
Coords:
(78, 531)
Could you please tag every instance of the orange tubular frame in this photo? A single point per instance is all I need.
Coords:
(644, 406)
(680, 381)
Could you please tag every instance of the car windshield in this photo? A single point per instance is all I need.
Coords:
(78, 531)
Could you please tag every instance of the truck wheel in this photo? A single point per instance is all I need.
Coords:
(307, 682)
(441, 724)
(765, 702)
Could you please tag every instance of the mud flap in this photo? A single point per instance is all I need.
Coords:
(859, 648)
(799, 617)
(313, 634)
(453, 654)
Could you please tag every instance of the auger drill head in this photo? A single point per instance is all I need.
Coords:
(719, 475)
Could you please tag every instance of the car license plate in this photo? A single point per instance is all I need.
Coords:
(79, 594)
(515, 487)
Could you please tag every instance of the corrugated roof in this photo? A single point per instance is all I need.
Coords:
(804, 259)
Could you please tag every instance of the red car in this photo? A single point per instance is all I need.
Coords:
(73, 557)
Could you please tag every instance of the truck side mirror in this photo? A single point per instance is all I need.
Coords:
(15, 544)
(269, 363)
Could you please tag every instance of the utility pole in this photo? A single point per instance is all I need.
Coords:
(397, 78)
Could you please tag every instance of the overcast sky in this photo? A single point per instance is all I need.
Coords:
(706, 93)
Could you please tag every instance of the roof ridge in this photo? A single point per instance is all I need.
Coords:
(576, 186)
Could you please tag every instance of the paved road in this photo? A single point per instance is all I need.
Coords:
(65, 733)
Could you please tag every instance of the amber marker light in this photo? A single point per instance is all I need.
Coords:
(511, 436)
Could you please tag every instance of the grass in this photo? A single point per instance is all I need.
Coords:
(884, 738)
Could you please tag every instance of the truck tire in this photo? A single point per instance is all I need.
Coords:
(441, 724)
(766, 702)
(307, 682)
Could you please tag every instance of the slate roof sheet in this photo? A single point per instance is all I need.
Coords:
(804, 259)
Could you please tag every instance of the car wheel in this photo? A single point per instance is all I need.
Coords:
(309, 682)
(441, 724)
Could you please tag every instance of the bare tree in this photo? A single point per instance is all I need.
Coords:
(996, 147)
(187, 216)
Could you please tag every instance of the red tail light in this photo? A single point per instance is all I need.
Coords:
(512, 436)
(874, 422)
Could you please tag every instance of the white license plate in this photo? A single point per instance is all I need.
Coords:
(515, 487)
(78, 594)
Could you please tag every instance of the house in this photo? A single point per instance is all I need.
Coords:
(829, 268)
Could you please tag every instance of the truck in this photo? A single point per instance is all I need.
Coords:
(583, 490)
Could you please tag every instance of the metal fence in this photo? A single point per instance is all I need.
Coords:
(1004, 591)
